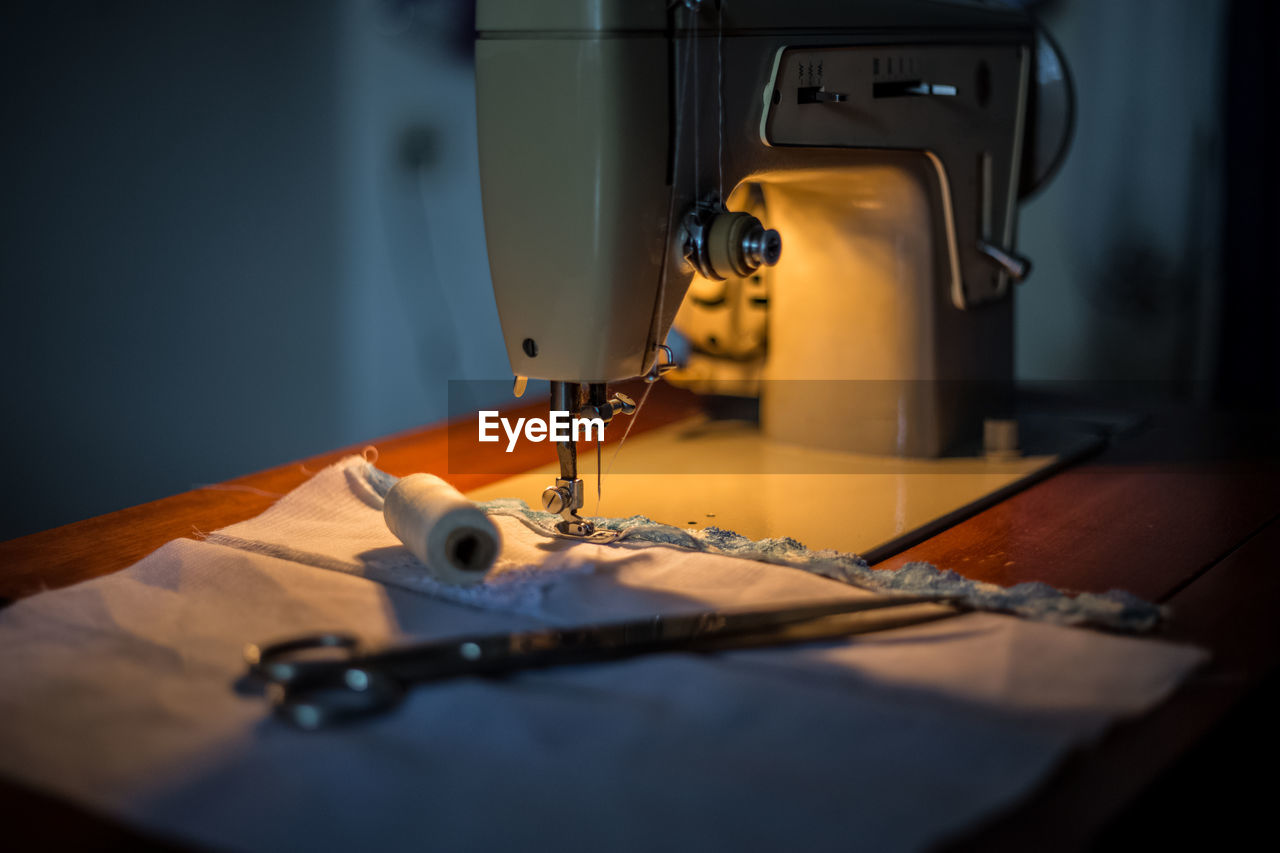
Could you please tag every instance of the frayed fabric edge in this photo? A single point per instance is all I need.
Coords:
(1115, 610)
(517, 590)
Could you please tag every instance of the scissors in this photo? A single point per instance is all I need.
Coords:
(323, 679)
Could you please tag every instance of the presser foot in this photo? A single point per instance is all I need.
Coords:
(560, 499)
(566, 498)
(576, 526)
(586, 531)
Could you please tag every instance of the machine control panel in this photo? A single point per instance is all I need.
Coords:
(962, 105)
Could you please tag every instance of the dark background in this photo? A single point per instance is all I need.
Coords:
(237, 233)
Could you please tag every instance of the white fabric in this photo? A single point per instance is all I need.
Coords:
(121, 694)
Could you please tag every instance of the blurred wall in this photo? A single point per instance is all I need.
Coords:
(234, 233)
(1126, 237)
(238, 232)
(418, 309)
(1248, 366)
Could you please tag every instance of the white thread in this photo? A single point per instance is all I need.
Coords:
(697, 101)
(230, 487)
(454, 539)
(690, 56)
(720, 101)
(681, 92)
(634, 415)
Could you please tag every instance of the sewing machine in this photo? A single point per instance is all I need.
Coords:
(821, 196)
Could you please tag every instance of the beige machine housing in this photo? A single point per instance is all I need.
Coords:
(881, 138)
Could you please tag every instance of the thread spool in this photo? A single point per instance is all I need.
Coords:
(449, 534)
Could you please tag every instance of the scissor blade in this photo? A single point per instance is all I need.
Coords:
(837, 625)
(495, 654)
(379, 680)
(734, 622)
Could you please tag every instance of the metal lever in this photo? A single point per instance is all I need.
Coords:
(659, 366)
(621, 403)
(818, 95)
(911, 88)
(1017, 266)
(618, 404)
(943, 89)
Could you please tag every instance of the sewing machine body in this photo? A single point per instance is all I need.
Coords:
(883, 141)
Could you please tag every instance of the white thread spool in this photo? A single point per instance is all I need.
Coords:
(452, 537)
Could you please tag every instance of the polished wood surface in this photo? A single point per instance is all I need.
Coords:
(1183, 513)
(98, 546)
(1145, 529)
(1230, 609)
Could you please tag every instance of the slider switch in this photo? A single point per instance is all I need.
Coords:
(818, 95)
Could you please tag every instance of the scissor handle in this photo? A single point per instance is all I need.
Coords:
(335, 696)
(286, 662)
(349, 682)
(312, 692)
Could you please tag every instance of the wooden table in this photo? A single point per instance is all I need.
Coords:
(1186, 513)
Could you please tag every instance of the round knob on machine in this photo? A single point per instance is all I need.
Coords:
(738, 244)
(622, 403)
(1051, 115)
(554, 500)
